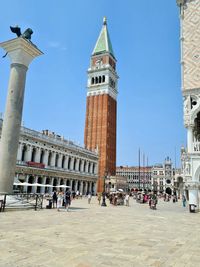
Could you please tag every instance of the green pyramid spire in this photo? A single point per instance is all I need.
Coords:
(103, 43)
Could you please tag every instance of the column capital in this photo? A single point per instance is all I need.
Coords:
(21, 51)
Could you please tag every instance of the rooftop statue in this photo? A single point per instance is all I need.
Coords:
(27, 33)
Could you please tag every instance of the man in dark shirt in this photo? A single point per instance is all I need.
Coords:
(67, 199)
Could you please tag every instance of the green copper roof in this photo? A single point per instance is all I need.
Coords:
(103, 43)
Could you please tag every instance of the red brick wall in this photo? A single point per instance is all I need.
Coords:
(100, 130)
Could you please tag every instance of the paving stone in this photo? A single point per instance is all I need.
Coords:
(95, 236)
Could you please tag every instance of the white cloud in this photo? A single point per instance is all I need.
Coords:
(57, 45)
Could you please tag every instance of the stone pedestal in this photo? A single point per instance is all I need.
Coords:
(21, 52)
(193, 188)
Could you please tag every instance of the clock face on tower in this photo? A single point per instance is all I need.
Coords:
(99, 62)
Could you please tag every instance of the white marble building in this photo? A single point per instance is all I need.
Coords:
(136, 177)
(190, 69)
(47, 158)
(163, 177)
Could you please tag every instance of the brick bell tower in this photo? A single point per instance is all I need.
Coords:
(101, 110)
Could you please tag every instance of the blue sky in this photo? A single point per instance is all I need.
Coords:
(145, 39)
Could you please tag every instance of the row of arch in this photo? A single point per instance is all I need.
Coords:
(53, 159)
(98, 79)
(83, 187)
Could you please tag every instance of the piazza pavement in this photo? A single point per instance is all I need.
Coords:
(95, 236)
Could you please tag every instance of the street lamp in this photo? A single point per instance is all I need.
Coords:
(103, 204)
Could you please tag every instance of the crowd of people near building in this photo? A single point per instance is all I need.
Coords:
(62, 199)
(151, 197)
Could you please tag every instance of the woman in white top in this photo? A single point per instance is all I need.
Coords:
(60, 200)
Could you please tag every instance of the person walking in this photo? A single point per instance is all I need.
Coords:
(99, 198)
(89, 197)
(60, 200)
(77, 194)
(127, 200)
(55, 198)
(67, 199)
(184, 201)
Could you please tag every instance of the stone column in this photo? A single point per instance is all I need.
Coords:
(51, 183)
(95, 188)
(76, 185)
(45, 158)
(77, 165)
(91, 167)
(25, 188)
(66, 162)
(42, 190)
(95, 168)
(82, 164)
(34, 188)
(21, 53)
(53, 159)
(60, 156)
(19, 152)
(190, 139)
(86, 168)
(81, 187)
(72, 164)
(194, 194)
(86, 187)
(90, 187)
(28, 153)
(38, 154)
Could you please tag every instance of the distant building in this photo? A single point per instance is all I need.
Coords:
(163, 177)
(136, 177)
(49, 159)
(159, 177)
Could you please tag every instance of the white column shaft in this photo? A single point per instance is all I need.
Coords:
(53, 159)
(45, 158)
(72, 164)
(11, 126)
(60, 160)
(28, 154)
(189, 139)
(66, 162)
(38, 153)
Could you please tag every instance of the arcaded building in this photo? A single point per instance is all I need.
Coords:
(190, 70)
(137, 177)
(48, 159)
(101, 110)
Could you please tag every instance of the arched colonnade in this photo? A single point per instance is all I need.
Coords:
(54, 159)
